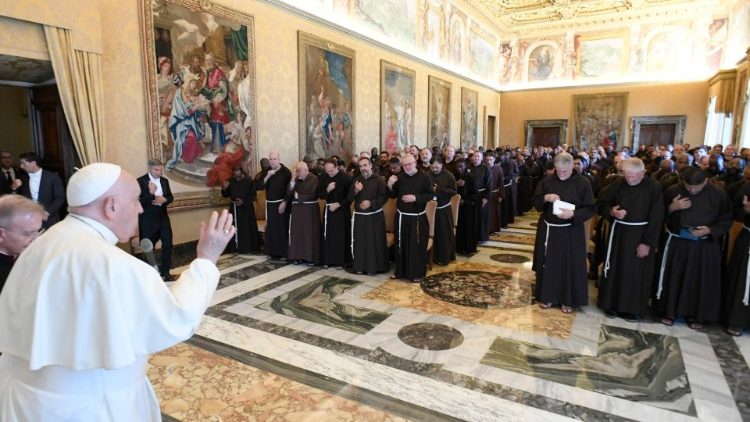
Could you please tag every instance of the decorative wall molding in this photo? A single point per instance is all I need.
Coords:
(530, 125)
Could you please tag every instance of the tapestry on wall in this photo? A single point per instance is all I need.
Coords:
(199, 61)
(600, 119)
(326, 98)
(439, 112)
(397, 94)
(469, 100)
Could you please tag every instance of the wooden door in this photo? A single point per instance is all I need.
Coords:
(52, 139)
(490, 139)
(657, 134)
(546, 136)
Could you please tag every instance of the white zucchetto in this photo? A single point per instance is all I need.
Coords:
(91, 182)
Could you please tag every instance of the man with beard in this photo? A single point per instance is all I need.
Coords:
(368, 247)
(276, 183)
(635, 207)
(560, 247)
(304, 219)
(444, 185)
(241, 190)
(483, 188)
(413, 189)
(334, 188)
(425, 158)
(498, 193)
(698, 215)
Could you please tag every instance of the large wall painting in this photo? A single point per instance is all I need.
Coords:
(199, 68)
(326, 98)
(439, 112)
(379, 16)
(599, 119)
(397, 97)
(469, 101)
(432, 37)
(601, 55)
(543, 61)
(483, 52)
(666, 52)
(457, 37)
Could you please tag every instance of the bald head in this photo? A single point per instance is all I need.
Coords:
(20, 221)
(273, 159)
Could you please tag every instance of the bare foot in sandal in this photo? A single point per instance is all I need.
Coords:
(735, 332)
(667, 321)
(545, 305)
(566, 309)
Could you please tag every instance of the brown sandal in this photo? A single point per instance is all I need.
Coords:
(695, 325)
(566, 309)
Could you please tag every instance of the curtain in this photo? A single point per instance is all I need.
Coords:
(721, 86)
(79, 80)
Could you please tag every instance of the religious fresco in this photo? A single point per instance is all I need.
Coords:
(665, 52)
(199, 69)
(397, 98)
(326, 101)
(542, 62)
(432, 34)
(483, 52)
(439, 112)
(600, 56)
(457, 37)
(395, 19)
(469, 106)
(599, 119)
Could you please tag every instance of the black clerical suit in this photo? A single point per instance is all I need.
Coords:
(153, 223)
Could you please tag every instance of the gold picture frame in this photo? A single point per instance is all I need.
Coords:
(397, 109)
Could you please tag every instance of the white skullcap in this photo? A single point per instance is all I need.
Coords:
(91, 182)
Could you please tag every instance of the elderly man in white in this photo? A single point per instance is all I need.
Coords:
(79, 316)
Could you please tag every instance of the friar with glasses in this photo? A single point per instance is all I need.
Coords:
(333, 187)
(444, 185)
(304, 218)
(634, 207)
(737, 305)
(699, 214)
(413, 189)
(20, 223)
(368, 241)
(276, 183)
(565, 201)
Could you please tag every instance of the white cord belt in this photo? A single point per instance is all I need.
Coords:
(290, 217)
(508, 184)
(481, 190)
(612, 235)
(496, 190)
(546, 235)
(271, 202)
(664, 263)
(746, 297)
(409, 214)
(443, 206)
(360, 213)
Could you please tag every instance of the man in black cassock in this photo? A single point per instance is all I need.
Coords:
(304, 218)
(698, 215)
(466, 228)
(560, 247)
(635, 209)
(334, 188)
(510, 172)
(276, 183)
(444, 185)
(449, 159)
(413, 189)
(483, 188)
(369, 194)
(737, 308)
(241, 191)
(497, 194)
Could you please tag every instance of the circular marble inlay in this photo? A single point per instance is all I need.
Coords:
(509, 258)
(428, 336)
(479, 289)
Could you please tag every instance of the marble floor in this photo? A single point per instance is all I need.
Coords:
(298, 343)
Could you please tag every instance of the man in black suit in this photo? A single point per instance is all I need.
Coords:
(154, 223)
(44, 187)
(13, 180)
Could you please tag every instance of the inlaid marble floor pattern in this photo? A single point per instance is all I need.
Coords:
(292, 342)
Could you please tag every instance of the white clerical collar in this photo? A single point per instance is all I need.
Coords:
(100, 228)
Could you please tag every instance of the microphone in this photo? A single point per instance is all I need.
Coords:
(148, 251)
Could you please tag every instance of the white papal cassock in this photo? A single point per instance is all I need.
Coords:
(78, 319)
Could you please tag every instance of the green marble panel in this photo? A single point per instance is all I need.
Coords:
(315, 302)
(632, 365)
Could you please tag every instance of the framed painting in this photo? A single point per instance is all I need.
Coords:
(599, 119)
(326, 98)
(439, 112)
(397, 94)
(199, 68)
(469, 100)
(602, 55)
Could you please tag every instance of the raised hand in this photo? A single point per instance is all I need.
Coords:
(215, 235)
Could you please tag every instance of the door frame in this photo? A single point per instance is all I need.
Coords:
(530, 125)
(679, 122)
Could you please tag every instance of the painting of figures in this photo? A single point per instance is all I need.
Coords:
(433, 18)
(600, 119)
(439, 112)
(483, 52)
(601, 56)
(378, 16)
(542, 62)
(469, 100)
(200, 74)
(326, 87)
(397, 107)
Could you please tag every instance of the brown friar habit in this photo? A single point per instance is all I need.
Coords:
(627, 280)
(737, 303)
(304, 220)
(689, 277)
(276, 237)
(498, 193)
(246, 240)
(560, 247)
(411, 226)
(466, 228)
(510, 172)
(368, 245)
(483, 188)
(444, 248)
(336, 234)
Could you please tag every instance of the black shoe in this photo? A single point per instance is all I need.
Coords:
(631, 317)
(610, 314)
